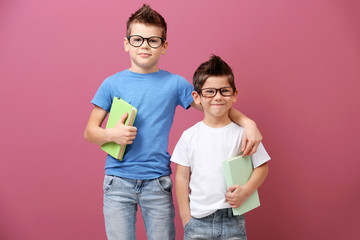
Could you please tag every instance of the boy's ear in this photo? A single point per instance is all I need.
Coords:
(164, 47)
(196, 97)
(126, 45)
(235, 96)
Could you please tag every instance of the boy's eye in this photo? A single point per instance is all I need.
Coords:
(227, 91)
(154, 40)
(137, 39)
(209, 91)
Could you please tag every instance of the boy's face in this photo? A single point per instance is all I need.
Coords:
(144, 59)
(216, 107)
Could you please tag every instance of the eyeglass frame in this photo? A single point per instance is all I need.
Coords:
(147, 40)
(218, 90)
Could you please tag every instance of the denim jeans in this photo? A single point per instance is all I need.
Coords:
(219, 225)
(121, 199)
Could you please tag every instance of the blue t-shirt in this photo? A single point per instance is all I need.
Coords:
(155, 95)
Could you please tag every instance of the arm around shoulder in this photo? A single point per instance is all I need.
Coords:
(251, 137)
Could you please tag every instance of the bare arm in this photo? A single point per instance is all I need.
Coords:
(182, 192)
(196, 106)
(238, 194)
(120, 134)
(251, 137)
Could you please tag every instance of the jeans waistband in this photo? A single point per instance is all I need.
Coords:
(225, 211)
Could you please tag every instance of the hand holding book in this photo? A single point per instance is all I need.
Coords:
(238, 171)
(236, 195)
(120, 122)
(121, 133)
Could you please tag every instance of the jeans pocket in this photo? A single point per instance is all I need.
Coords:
(187, 225)
(240, 223)
(165, 184)
(108, 183)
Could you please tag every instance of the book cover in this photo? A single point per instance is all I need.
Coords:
(118, 108)
(237, 171)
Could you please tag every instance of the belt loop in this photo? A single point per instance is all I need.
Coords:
(230, 212)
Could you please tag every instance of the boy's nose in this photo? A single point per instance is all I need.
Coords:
(218, 94)
(145, 44)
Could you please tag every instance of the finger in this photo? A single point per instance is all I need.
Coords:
(131, 138)
(233, 205)
(260, 138)
(123, 118)
(229, 196)
(248, 148)
(231, 188)
(243, 144)
(132, 129)
(254, 149)
(130, 134)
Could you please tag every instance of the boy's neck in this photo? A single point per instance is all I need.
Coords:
(143, 71)
(217, 122)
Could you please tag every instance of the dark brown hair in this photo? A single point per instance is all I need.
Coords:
(148, 16)
(215, 66)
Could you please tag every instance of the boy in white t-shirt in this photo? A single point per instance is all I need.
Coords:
(204, 200)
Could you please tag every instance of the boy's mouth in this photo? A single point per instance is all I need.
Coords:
(144, 54)
(218, 104)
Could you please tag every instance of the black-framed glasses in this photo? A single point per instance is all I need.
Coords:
(153, 42)
(211, 92)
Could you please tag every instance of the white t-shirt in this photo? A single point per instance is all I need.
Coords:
(203, 149)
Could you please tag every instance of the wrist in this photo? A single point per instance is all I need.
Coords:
(185, 215)
(109, 135)
(247, 191)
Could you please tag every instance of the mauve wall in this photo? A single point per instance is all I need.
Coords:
(297, 68)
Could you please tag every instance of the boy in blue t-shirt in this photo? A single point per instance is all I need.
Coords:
(143, 176)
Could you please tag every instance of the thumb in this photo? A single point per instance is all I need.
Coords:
(231, 188)
(123, 118)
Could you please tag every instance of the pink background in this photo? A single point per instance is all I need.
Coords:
(297, 67)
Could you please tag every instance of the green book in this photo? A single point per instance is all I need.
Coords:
(118, 108)
(237, 171)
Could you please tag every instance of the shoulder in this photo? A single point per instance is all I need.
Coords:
(120, 74)
(186, 140)
(233, 127)
(196, 127)
(172, 76)
(115, 77)
(191, 131)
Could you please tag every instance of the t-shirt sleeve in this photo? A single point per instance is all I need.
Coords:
(185, 90)
(260, 157)
(180, 154)
(103, 97)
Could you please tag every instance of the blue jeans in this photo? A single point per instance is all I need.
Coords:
(219, 225)
(121, 199)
